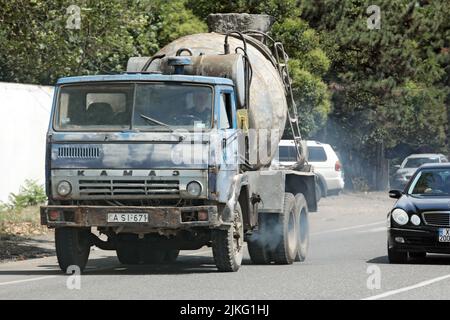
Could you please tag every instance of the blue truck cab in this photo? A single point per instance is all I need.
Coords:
(139, 157)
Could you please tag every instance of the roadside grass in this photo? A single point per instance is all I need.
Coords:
(21, 222)
(20, 215)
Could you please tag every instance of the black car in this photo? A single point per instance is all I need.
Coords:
(419, 222)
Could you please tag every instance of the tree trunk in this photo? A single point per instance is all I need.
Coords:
(381, 182)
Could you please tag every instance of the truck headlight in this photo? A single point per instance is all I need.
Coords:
(64, 188)
(194, 188)
(400, 216)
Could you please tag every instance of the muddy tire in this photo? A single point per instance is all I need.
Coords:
(73, 246)
(286, 232)
(303, 227)
(127, 252)
(228, 244)
(257, 244)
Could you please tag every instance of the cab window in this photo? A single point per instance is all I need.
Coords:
(226, 111)
(99, 107)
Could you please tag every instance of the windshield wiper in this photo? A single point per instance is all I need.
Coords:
(162, 124)
(154, 121)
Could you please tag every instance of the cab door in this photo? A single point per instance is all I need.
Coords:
(228, 141)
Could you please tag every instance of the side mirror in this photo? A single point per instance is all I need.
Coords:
(395, 194)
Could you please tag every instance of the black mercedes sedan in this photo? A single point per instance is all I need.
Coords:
(419, 222)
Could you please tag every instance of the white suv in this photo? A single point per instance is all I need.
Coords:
(327, 168)
(325, 162)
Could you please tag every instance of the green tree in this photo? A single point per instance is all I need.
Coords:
(37, 47)
(388, 83)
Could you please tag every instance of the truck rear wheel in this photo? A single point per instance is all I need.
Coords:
(303, 227)
(228, 245)
(257, 244)
(286, 232)
(73, 246)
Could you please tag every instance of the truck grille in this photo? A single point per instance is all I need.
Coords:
(124, 188)
(437, 218)
(79, 152)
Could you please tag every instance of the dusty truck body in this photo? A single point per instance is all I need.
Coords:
(134, 156)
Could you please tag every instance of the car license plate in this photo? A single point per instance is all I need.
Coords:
(128, 217)
(444, 235)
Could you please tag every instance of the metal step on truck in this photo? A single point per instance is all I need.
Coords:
(175, 154)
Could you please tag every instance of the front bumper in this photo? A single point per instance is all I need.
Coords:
(158, 217)
(423, 240)
(335, 184)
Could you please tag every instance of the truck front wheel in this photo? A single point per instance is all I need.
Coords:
(228, 244)
(72, 247)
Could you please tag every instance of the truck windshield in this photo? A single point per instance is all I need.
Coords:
(150, 106)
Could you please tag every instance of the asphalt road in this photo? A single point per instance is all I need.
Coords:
(347, 260)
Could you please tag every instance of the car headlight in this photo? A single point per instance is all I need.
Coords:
(194, 188)
(64, 188)
(400, 216)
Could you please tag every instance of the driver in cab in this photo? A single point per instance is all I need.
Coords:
(198, 109)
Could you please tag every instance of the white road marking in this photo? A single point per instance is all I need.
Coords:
(349, 228)
(416, 286)
(374, 230)
(25, 280)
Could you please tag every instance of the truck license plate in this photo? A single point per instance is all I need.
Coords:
(444, 235)
(128, 217)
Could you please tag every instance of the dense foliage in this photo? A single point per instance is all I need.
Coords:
(390, 84)
(36, 46)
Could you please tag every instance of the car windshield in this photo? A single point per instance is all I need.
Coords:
(431, 182)
(417, 162)
(123, 106)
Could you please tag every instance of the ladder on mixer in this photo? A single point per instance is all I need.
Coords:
(283, 69)
(281, 64)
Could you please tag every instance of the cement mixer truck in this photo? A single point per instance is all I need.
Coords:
(175, 154)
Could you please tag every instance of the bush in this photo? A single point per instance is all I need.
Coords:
(30, 194)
